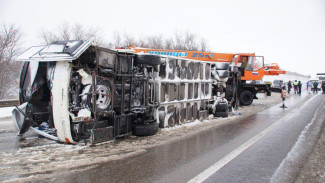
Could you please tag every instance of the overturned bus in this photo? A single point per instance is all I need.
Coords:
(72, 91)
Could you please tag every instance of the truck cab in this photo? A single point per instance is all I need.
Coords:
(251, 71)
(250, 66)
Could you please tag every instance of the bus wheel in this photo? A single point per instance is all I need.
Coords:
(145, 129)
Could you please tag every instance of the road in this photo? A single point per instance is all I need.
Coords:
(252, 149)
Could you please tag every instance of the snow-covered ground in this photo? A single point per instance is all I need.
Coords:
(5, 112)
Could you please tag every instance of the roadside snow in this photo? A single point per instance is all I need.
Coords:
(5, 112)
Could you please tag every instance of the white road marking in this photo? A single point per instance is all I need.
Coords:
(225, 160)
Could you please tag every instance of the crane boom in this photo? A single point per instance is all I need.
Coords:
(254, 70)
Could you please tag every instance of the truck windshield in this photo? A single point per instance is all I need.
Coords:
(255, 63)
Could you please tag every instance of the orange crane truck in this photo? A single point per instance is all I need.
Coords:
(245, 72)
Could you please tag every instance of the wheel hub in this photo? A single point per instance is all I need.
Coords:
(103, 96)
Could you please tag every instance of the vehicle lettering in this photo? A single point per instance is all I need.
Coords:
(199, 55)
(168, 53)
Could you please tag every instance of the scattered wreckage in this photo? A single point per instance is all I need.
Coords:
(72, 91)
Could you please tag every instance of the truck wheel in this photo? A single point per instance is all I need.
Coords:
(222, 107)
(145, 129)
(147, 59)
(221, 114)
(221, 110)
(246, 98)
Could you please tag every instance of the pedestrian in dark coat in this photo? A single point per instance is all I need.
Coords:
(299, 88)
(289, 86)
(315, 87)
(323, 87)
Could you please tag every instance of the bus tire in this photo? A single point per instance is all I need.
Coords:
(145, 129)
(147, 59)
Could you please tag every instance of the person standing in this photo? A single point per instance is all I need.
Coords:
(289, 86)
(299, 88)
(295, 86)
(315, 87)
(309, 86)
(323, 87)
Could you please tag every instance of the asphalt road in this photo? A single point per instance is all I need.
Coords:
(249, 150)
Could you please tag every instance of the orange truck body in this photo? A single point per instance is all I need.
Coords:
(256, 75)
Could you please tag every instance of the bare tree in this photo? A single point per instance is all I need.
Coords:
(203, 45)
(79, 32)
(190, 42)
(180, 41)
(156, 42)
(143, 43)
(129, 40)
(65, 31)
(9, 38)
(169, 44)
(68, 31)
(117, 39)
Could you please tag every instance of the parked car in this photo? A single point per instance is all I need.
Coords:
(278, 83)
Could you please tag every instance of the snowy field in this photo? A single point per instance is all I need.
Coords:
(5, 112)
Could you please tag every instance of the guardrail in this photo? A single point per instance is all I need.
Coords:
(7, 103)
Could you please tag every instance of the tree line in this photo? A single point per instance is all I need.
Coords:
(179, 41)
(10, 36)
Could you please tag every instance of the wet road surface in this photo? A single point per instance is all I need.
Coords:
(183, 160)
(9, 141)
(259, 162)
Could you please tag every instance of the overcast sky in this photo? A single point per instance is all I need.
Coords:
(288, 32)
